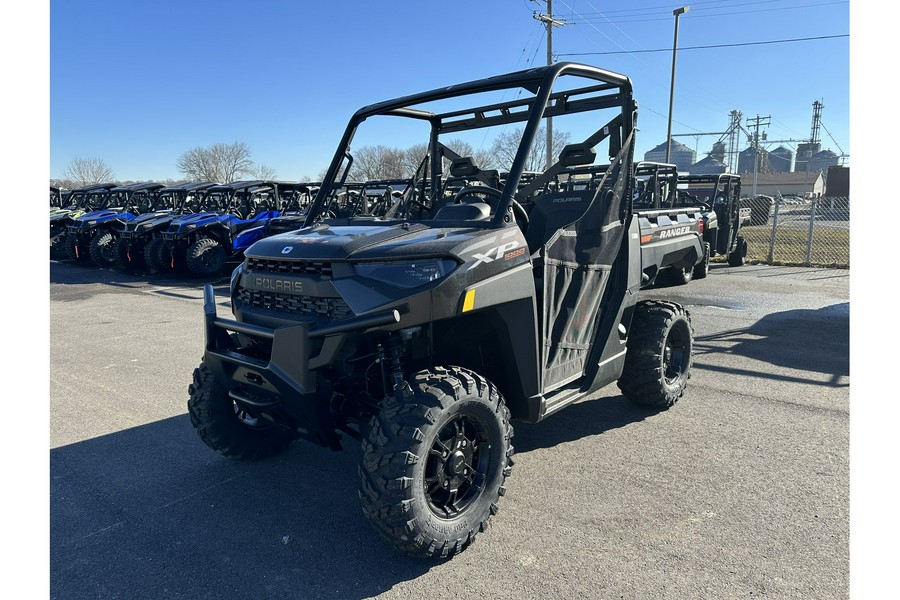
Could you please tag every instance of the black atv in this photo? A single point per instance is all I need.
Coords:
(232, 217)
(719, 197)
(76, 203)
(140, 241)
(97, 233)
(423, 332)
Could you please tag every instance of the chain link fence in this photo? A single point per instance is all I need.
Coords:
(801, 233)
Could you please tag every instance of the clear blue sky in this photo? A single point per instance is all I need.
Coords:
(138, 83)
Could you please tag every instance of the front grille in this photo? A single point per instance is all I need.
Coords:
(333, 309)
(293, 267)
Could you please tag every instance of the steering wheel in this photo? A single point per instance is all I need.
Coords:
(472, 190)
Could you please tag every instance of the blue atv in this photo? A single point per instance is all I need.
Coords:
(77, 202)
(94, 234)
(140, 241)
(231, 219)
(294, 208)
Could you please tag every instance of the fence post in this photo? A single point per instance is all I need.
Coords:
(812, 222)
(774, 229)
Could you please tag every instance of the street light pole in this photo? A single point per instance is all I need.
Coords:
(677, 12)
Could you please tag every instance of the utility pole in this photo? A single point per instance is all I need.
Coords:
(757, 121)
(550, 23)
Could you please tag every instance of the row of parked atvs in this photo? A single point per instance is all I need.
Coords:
(192, 228)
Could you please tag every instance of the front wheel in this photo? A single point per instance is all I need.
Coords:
(435, 461)
(206, 257)
(228, 428)
(58, 247)
(129, 256)
(658, 358)
(103, 248)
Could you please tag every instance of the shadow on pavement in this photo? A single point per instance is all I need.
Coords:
(816, 340)
(150, 512)
(580, 420)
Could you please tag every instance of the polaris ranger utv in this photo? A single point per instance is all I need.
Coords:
(661, 217)
(422, 333)
(719, 197)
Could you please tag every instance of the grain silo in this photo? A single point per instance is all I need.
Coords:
(745, 161)
(781, 159)
(708, 166)
(820, 161)
(680, 155)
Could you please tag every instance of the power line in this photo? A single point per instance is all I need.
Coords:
(644, 18)
(823, 37)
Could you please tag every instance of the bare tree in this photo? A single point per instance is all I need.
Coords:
(378, 162)
(264, 172)
(507, 143)
(87, 171)
(222, 163)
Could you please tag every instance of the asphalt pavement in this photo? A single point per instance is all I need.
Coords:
(740, 490)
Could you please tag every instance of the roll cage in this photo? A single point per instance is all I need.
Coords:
(425, 191)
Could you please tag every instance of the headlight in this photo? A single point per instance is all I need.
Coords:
(407, 274)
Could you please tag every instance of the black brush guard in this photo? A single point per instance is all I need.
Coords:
(288, 377)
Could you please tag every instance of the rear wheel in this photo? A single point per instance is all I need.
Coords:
(206, 257)
(658, 359)
(737, 256)
(434, 463)
(701, 269)
(226, 427)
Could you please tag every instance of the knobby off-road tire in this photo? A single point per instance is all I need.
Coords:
(676, 276)
(76, 252)
(736, 258)
(206, 257)
(58, 248)
(227, 429)
(658, 360)
(701, 269)
(103, 248)
(128, 257)
(157, 256)
(434, 463)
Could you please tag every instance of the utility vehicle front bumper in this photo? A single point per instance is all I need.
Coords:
(288, 375)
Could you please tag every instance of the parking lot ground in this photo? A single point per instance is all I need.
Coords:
(740, 490)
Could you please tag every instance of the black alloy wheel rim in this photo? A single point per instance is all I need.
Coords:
(457, 466)
(676, 353)
(210, 258)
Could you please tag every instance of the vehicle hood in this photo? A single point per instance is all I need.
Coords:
(152, 220)
(366, 242)
(99, 216)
